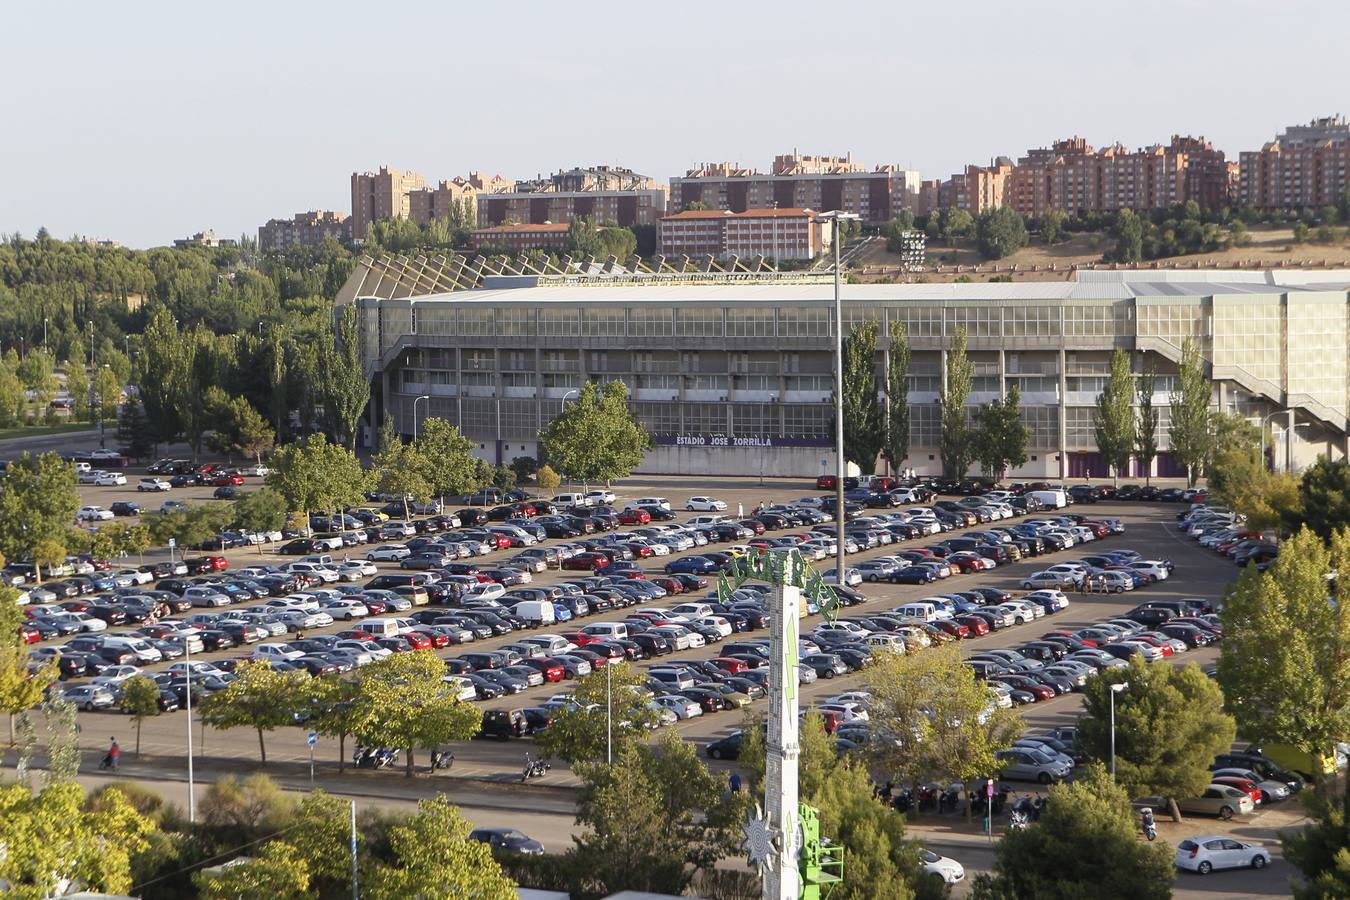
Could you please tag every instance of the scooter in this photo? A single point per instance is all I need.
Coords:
(1017, 820)
(1150, 826)
(442, 759)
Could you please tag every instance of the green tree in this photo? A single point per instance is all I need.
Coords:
(314, 475)
(262, 510)
(140, 701)
(578, 731)
(1083, 846)
(1052, 226)
(107, 392)
(617, 241)
(931, 717)
(897, 397)
(654, 819)
(547, 479)
(1320, 851)
(1279, 627)
(38, 500)
(77, 386)
(399, 470)
(1238, 235)
(1146, 435)
(1113, 420)
(133, 431)
(52, 840)
(238, 427)
(343, 386)
(1233, 431)
(1000, 232)
(20, 689)
(596, 438)
(1170, 724)
(37, 372)
(1129, 234)
(503, 477)
(11, 398)
(864, 427)
(524, 468)
(583, 239)
(1000, 435)
(1324, 493)
(895, 230)
(451, 466)
(1240, 480)
(1301, 232)
(955, 449)
(408, 705)
(279, 872)
(435, 860)
(337, 707)
(1189, 431)
(261, 698)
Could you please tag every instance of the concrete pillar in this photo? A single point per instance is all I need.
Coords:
(1063, 415)
(782, 879)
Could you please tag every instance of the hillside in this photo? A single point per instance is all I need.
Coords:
(1270, 247)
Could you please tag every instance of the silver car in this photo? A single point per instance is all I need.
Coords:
(1030, 764)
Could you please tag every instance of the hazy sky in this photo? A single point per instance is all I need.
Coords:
(146, 121)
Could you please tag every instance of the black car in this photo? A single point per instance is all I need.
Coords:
(728, 747)
(125, 508)
(298, 547)
(652, 644)
(504, 724)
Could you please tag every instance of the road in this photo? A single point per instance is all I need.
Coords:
(485, 771)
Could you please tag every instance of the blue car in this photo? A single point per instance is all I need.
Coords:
(561, 613)
(691, 565)
(913, 575)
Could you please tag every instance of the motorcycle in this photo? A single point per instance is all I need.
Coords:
(442, 759)
(534, 768)
(374, 757)
(1017, 820)
(1150, 826)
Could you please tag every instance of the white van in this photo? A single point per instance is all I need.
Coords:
(143, 651)
(922, 612)
(573, 500)
(608, 631)
(1050, 499)
(535, 612)
(380, 628)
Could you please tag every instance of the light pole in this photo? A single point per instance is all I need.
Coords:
(1262, 428)
(609, 716)
(837, 217)
(569, 394)
(1115, 689)
(416, 401)
(44, 334)
(187, 672)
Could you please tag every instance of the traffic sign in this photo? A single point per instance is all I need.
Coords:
(989, 788)
(173, 543)
(312, 739)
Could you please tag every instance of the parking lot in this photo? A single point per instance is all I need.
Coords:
(1149, 530)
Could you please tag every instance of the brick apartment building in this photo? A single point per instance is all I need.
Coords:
(306, 229)
(1073, 176)
(518, 237)
(381, 195)
(774, 233)
(1307, 166)
(599, 193)
(428, 203)
(799, 181)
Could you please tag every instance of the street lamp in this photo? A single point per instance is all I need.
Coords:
(187, 674)
(569, 394)
(838, 217)
(1262, 429)
(417, 400)
(1115, 689)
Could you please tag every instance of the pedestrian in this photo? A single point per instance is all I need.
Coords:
(114, 755)
(735, 782)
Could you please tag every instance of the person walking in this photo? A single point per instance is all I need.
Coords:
(114, 755)
(735, 782)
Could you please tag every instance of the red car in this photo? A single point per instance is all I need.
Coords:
(754, 525)
(552, 671)
(1164, 646)
(586, 561)
(227, 479)
(1242, 784)
(670, 585)
(966, 562)
(28, 634)
(634, 517)
(974, 624)
(641, 551)
(729, 665)
(954, 628)
(438, 639)
(1021, 683)
(218, 563)
(580, 638)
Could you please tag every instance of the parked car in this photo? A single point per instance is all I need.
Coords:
(1203, 855)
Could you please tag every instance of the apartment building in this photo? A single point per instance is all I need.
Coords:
(797, 181)
(205, 238)
(779, 234)
(306, 229)
(427, 204)
(1073, 176)
(382, 195)
(733, 373)
(598, 193)
(1305, 167)
(518, 237)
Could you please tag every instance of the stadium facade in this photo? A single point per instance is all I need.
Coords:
(730, 369)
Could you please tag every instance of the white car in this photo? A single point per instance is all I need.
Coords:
(257, 471)
(1155, 567)
(852, 577)
(845, 712)
(110, 479)
(1209, 852)
(94, 514)
(600, 497)
(87, 476)
(116, 675)
(682, 707)
(153, 484)
(388, 553)
(357, 568)
(705, 504)
(944, 867)
(103, 454)
(274, 652)
(661, 502)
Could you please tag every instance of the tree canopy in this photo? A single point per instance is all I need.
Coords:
(1113, 420)
(596, 437)
(1000, 232)
(864, 427)
(1000, 436)
(955, 444)
(1189, 431)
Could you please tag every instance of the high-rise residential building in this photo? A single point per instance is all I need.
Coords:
(381, 195)
(797, 181)
(598, 193)
(774, 233)
(428, 203)
(1072, 176)
(306, 229)
(1307, 166)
